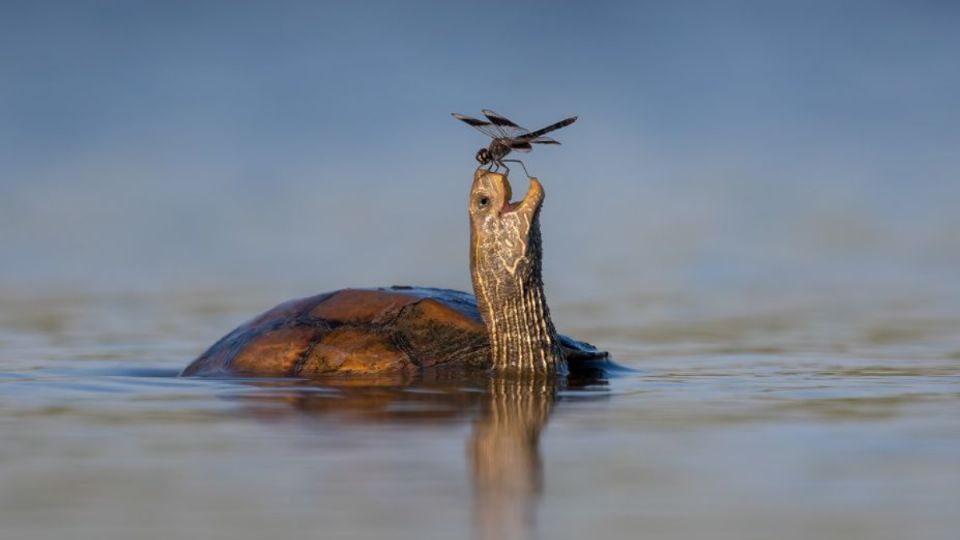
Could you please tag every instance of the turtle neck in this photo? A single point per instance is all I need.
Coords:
(510, 296)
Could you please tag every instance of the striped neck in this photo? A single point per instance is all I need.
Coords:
(514, 308)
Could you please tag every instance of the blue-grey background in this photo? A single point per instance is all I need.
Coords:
(722, 146)
(757, 211)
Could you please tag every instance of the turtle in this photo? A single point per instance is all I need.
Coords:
(504, 327)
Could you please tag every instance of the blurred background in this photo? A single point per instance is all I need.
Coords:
(794, 147)
(757, 210)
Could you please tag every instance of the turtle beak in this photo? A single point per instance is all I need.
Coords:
(529, 204)
(533, 199)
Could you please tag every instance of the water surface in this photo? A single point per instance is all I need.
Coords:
(743, 418)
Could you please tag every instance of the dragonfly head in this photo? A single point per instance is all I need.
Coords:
(483, 156)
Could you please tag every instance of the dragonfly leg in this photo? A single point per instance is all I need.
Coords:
(521, 164)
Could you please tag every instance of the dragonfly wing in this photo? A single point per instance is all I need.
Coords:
(520, 146)
(544, 140)
(508, 129)
(482, 126)
(552, 127)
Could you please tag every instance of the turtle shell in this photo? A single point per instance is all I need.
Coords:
(362, 331)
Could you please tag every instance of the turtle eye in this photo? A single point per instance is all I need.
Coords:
(482, 202)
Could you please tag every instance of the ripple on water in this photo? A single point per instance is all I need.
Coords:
(809, 421)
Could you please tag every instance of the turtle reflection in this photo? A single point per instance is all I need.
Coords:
(505, 456)
(503, 449)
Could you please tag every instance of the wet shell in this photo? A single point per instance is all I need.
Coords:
(361, 331)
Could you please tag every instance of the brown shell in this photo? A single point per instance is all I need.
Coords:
(359, 331)
(353, 331)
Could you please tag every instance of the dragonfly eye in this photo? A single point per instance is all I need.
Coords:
(483, 156)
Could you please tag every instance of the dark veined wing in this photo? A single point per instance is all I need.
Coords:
(520, 146)
(482, 126)
(508, 129)
(544, 140)
(552, 127)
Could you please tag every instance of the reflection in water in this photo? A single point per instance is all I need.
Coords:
(504, 446)
(827, 420)
(505, 455)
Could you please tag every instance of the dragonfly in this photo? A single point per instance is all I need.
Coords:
(507, 137)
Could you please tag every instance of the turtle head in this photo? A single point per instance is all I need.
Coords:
(505, 264)
(505, 235)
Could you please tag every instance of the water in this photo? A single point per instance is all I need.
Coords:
(756, 212)
(745, 417)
